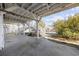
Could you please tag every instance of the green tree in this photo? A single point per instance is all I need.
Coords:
(41, 24)
(59, 25)
(68, 28)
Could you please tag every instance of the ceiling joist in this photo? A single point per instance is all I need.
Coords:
(15, 14)
(31, 11)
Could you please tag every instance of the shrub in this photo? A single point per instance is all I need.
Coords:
(68, 28)
(67, 33)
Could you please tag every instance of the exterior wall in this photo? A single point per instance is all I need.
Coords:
(1, 32)
(13, 28)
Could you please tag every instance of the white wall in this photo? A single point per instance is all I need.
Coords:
(1, 32)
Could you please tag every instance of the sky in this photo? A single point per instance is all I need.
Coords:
(49, 20)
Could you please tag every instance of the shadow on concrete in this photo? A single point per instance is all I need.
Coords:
(71, 45)
(1, 52)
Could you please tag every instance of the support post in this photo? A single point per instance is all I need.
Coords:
(1, 31)
(29, 27)
(23, 27)
(28, 23)
(18, 28)
(37, 29)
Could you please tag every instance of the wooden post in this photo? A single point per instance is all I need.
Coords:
(37, 29)
(1, 31)
(18, 28)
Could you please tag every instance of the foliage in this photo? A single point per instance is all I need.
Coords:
(59, 25)
(67, 33)
(68, 28)
(41, 24)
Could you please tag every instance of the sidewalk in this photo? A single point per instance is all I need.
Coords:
(63, 41)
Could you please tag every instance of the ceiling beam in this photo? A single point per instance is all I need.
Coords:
(47, 8)
(51, 8)
(37, 7)
(21, 10)
(15, 14)
(23, 5)
(33, 4)
(51, 11)
(44, 8)
(65, 7)
(15, 18)
(34, 15)
(28, 5)
(13, 8)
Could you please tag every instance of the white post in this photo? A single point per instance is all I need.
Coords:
(23, 27)
(18, 28)
(28, 23)
(29, 27)
(37, 29)
(1, 32)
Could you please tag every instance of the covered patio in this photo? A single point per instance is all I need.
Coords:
(22, 14)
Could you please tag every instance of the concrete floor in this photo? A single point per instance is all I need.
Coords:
(21, 45)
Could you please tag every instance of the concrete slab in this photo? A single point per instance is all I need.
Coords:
(30, 46)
